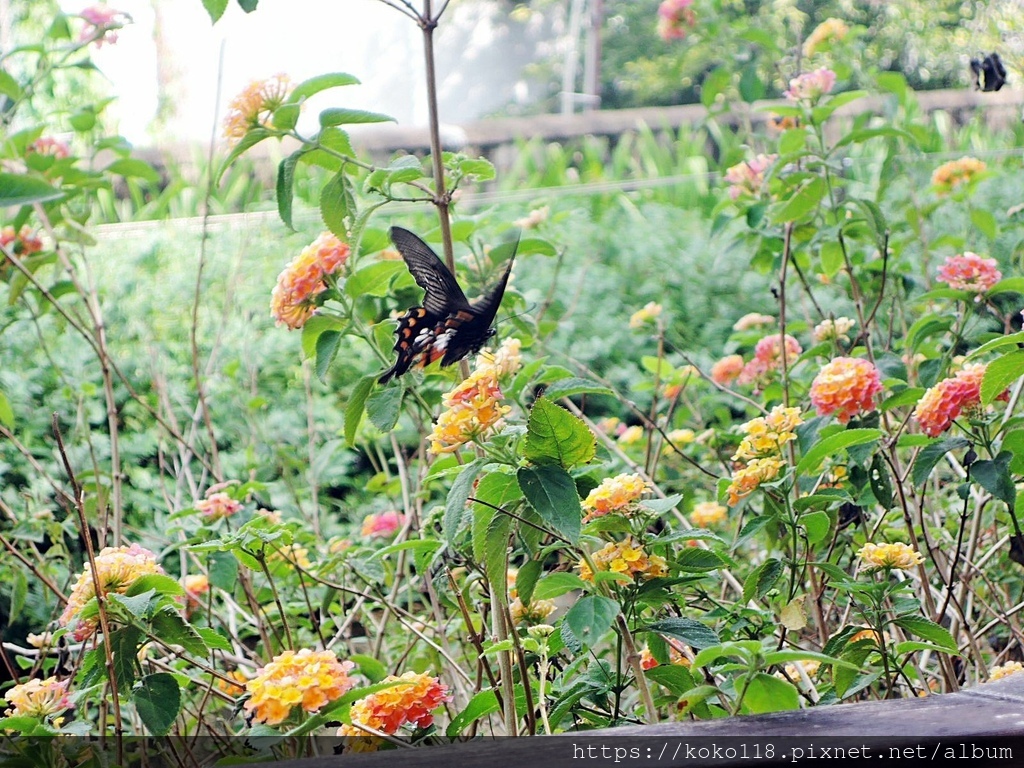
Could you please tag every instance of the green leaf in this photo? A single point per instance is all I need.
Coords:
(171, 628)
(157, 699)
(6, 412)
(766, 693)
(16, 189)
(571, 387)
(374, 279)
(1007, 285)
(556, 584)
(215, 8)
(384, 407)
(1013, 442)
(526, 580)
(908, 396)
(340, 116)
(356, 406)
(481, 168)
(458, 495)
(930, 456)
(984, 221)
(1000, 373)
(133, 167)
(555, 436)
(1011, 340)
(692, 632)
(863, 134)
(881, 482)
(248, 5)
(251, 139)
(370, 667)
(817, 525)
(675, 677)
(494, 552)
(802, 202)
(715, 83)
(831, 446)
(551, 491)
(285, 187)
(698, 560)
(929, 630)
(591, 617)
(223, 570)
(481, 705)
(762, 579)
(994, 476)
(335, 203)
(214, 640)
(9, 86)
(313, 85)
(831, 258)
(326, 348)
(124, 647)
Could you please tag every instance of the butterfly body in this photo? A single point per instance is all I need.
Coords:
(447, 327)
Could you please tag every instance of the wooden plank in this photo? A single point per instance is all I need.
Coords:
(984, 723)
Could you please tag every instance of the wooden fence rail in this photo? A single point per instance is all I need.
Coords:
(983, 724)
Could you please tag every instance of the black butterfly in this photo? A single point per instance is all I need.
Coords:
(447, 326)
(988, 74)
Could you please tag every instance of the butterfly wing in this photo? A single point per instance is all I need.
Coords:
(995, 72)
(468, 329)
(416, 334)
(442, 294)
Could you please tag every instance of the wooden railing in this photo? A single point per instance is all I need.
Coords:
(982, 725)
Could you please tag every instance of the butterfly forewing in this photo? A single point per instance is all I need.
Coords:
(442, 292)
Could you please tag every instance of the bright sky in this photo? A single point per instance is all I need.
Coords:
(301, 38)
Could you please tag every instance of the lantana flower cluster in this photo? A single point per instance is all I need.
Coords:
(117, 568)
(845, 387)
(533, 612)
(675, 19)
(473, 409)
(626, 557)
(727, 370)
(253, 107)
(644, 315)
(747, 178)
(769, 353)
(293, 300)
(217, 506)
(38, 698)
(411, 702)
(707, 513)
(944, 402)
(761, 449)
(811, 86)
(828, 33)
(834, 329)
(897, 555)
(970, 272)
(306, 678)
(676, 655)
(384, 526)
(101, 21)
(948, 176)
(617, 494)
(24, 242)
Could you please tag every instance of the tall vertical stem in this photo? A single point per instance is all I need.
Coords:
(441, 199)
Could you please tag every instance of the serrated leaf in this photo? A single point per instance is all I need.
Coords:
(675, 677)
(458, 495)
(384, 407)
(526, 580)
(327, 344)
(831, 446)
(214, 639)
(929, 630)
(374, 279)
(994, 476)
(692, 632)
(552, 493)
(335, 198)
(215, 8)
(817, 525)
(572, 386)
(313, 85)
(698, 560)
(356, 406)
(1001, 373)
(802, 202)
(171, 627)
(16, 189)
(494, 551)
(157, 699)
(481, 705)
(762, 579)
(557, 584)
(341, 116)
(930, 456)
(766, 693)
(285, 187)
(555, 436)
(590, 618)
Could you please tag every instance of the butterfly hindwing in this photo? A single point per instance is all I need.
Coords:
(447, 326)
(988, 73)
